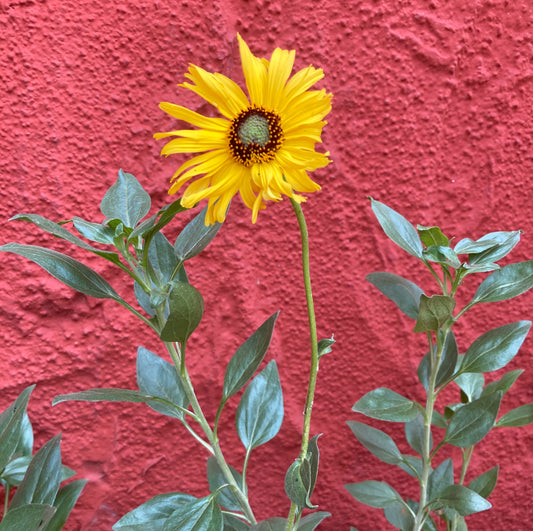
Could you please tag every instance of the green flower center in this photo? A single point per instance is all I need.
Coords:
(254, 130)
(255, 135)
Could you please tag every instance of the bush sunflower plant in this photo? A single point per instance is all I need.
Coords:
(263, 146)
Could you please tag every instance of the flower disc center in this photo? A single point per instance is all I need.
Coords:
(254, 130)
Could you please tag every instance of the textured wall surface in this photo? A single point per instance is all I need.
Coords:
(431, 114)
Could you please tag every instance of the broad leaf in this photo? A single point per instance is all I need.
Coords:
(473, 421)
(384, 404)
(373, 493)
(198, 515)
(96, 232)
(489, 248)
(162, 257)
(260, 411)
(154, 513)
(272, 524)
(64, 503)
(414, 433)
(432, 236)
(442, 255)
(324, 346)
(195, 237)
(66, 269)
(503, 384)
(434, 311)
(471, 383)
(520, 416)
(506, 283)
(42, 478)
(461, 499)
(57, 230)
(398, 515)
(12, 426)
(126, 200)
(404, 293)
(495, 348)
(113, 395)
(166, 215)
(484, 484)
(247, 358)
(232, 523)
(186, 310)
(225, 497)
(297, 485)
(30, 517)
(376, 442)
(440, 479)
(157, 377)
(398, 229)
(311, 521)
(447, 365)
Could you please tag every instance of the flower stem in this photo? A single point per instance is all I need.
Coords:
(314, 346)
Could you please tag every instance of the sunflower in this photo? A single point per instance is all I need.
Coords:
(263, 146)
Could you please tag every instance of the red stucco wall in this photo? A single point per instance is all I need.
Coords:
(432, 115)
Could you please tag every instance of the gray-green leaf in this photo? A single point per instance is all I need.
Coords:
(376, 442)
(520, 416)
(199, 515)
(126, 200)
(225, 497)
(260, 411)
(186, 310)
(461, 499)
(66, 269)
(385, 404)
(404, 293)
(373, 493)
(398, 229)
(434, 311)
(247, 358)
(195, 237)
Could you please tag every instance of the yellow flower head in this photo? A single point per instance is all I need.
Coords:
(265, 144)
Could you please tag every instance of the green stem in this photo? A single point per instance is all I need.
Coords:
(314, 346)
(175, 355)
(6, 499)
(430, 406)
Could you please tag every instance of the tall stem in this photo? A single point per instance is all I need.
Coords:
(215, 449)
(314, 345)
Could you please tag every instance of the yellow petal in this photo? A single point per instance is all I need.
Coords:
(255, 73)
(279, 70)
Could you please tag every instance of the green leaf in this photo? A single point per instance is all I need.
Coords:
(31, 517)
(384, 404)
(376, 442)
(272, 524)
(96, 232)
(166, 215)
(195, 237)
(404, 293)
(42, 478)
(157, 377)
(186, 310)
(506, 283)
(447, 365)
(442, 255)
(489, 248)
(312, 521)
(25, 445)
(397, 515)
(113, 395)
(411, 465)
(65, 269)
(324, 346)
(198, 515)
(14, 471)
(162, 257)
(398, 229)
(64, 503)
(154, 513)
(520, 416)
(232, 523)
(473, 421)
(503, 384)
(247, 358)
(461, 499)
(126, 200)
(495, 348)
(260, 411)
(296, 486)
(57, 230)
(471, 383)
(414, 433)
(313, 455)
(440, 479)
(432, 236)
(12, 426)
(484, 484)
(434, 311)
(225, 497)
(373, 493)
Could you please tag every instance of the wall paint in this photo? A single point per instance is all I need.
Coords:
(432, 115)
